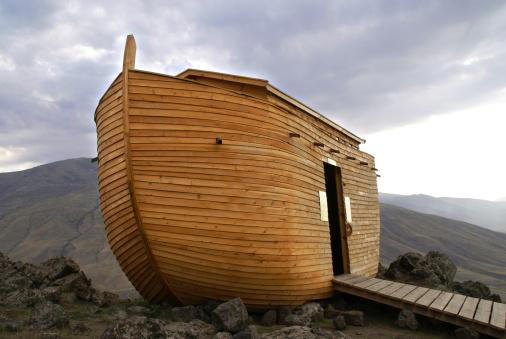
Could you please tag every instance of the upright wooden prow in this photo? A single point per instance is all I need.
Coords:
(129, 56)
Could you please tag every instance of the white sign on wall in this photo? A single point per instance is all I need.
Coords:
(347, 207)
(324, 211)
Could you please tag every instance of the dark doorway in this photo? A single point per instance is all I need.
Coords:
(333, 187)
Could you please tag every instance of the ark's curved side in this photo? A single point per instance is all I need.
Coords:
(190, 219)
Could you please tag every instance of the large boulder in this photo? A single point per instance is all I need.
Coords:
(474, 289)
(47, 315)
(231, 316)
(56, 268)
(195, 329)
(407, 319)
(433, 270)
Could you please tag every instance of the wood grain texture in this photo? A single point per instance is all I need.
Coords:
(241, 218)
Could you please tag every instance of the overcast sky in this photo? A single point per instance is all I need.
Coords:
(423, 81)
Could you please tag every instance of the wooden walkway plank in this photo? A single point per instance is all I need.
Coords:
(498, 316)
(355, 280)
(367, 283)
(455, 304)
(344, 277)
(414, 295)
(391, 288)
(400, 293)
(379, 285)
(428, 298)
(483, 311)
(468, 308)
(440, 303)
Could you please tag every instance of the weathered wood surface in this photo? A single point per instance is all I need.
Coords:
(482, 315)
(189, 219)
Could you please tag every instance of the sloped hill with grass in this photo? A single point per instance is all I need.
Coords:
(484, 213)
(480, 254)
(52, 210)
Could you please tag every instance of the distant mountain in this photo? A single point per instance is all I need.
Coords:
(52, 210)
(484, 213)
(479, 253)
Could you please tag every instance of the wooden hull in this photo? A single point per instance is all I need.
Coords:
(190, 220)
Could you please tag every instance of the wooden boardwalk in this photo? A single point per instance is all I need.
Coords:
(482, 315)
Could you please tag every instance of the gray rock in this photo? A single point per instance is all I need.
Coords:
(331, 312)
(466, 333)
(51, 293)
(249, 332)
(230, 316)
(354, 318)
(326, 334)
(297, 320)
(312, 310)
(22, 298)
(474, 289)
(136, 327)
(103, 299)
(194, 329)
(223, 335)
(269, 318)
(433, 270)
(282, 313)
(339, 322)
(140, 310)
(407, 319)
(57, 268)
(292, 332)
(48, 335)
(185, 313)
(76, 283)
(48, 315)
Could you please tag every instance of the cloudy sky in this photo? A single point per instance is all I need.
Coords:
(423, 81)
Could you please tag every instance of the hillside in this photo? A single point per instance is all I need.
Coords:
(480, 254)
(484, 213)
(52, 210)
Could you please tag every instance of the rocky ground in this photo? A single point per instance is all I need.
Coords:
(55, 299)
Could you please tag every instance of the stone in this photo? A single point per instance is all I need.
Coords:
(339, 322)
(474, 289)
(57, 268)
(223, 335)
(51, 293)
(120, 314)
(230, 316)
(23, 298)
(381, 271)
(354, 318)
(194, 329)
(138, 310)
(282, 313)
(104, 299)
(407, 319)
(297, 320)
(76, 283)
(135, 327)
(49, 335)
(269, 318)
(326, 334)
(185, 313)
(331, 312)
(292, 332)
(249, 332)
(434, 270)
(466, 333)
(48, 315)
(312, 310)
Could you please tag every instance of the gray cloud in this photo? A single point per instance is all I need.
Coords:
(368, 65)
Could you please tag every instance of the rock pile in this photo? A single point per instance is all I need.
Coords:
(434, 270)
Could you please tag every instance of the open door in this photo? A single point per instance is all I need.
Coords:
(335, 205)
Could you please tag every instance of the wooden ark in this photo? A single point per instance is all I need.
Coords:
(214, 186)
